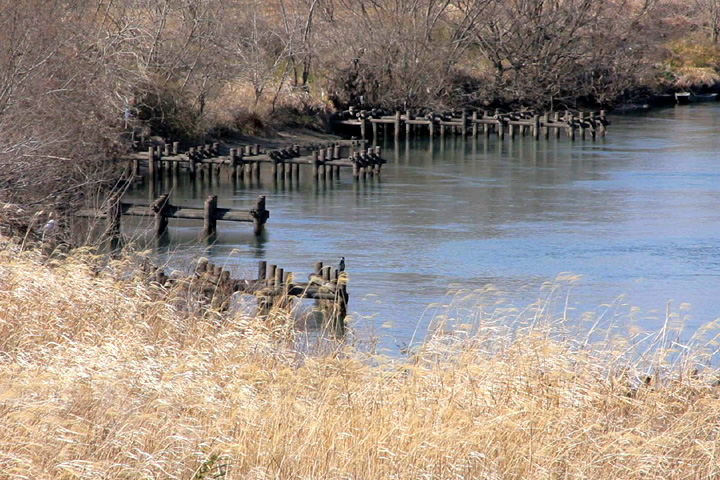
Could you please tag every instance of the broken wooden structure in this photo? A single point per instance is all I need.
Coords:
(325, 161)
(273, 288)
(513, 123)
(162, 211)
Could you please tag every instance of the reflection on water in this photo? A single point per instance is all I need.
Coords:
(635, 213)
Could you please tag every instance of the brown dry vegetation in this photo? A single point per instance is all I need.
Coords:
(106, 376)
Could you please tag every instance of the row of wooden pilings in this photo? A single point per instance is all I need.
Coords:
(326, 162)
(583, 124)
(274, 287)
(161, 210)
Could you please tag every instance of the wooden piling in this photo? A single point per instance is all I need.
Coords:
(556, 119)
(474, 125)
(262, 269)
(317, 268)
(397, 124)
(160, 207)
(151, 162)
(259, 214)
(315, 164)
(210, 221)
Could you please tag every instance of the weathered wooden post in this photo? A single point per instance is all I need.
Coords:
(166, 153)
(210, 220)
(378, 165)
(161, 208)
(274, 169)
(571, 126)
(536, 127)
(317, 269)
(259, 214)
(545, 128)
(474, 124)
(464, 123)
(431, 126)
(375, 129)
(315, 164)
(175, 148)
(236, 160)
(603, 123)
(191, 161)
(556, 120)
(397, 123)
(355, 167)
(270, 275)
(501, 128)
(151, 162)
(581, 121)
(408, 126)
(256, 149)
(363, 126)
(512, 130)
(278, 280)
(262, 268)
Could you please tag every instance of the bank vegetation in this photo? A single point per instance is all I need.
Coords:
(79, 79)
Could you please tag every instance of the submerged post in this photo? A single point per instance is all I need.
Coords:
(259, 214)
(161, 208)
(210, 225)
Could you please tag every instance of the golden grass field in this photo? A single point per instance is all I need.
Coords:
(104, 376)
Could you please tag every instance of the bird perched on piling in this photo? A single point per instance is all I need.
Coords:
(341, 267)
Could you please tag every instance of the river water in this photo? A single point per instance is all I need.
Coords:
(628, 224)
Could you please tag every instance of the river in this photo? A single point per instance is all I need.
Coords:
(630, 223)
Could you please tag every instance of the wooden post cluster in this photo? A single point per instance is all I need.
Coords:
(273, 287)
(514, 123)
(244, 163)
(162, 211)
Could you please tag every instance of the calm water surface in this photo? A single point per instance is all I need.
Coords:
(636, 214)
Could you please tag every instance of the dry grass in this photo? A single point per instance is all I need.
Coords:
(103, 378)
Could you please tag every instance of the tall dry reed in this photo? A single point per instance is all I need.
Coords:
(103, 375)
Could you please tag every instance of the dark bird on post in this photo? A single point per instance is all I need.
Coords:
(341, 267)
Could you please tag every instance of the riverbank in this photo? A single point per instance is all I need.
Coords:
(105, 375)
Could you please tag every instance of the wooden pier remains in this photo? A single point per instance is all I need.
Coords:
(273, 287)
(324, 160)
(162, 211)
(585, 124)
